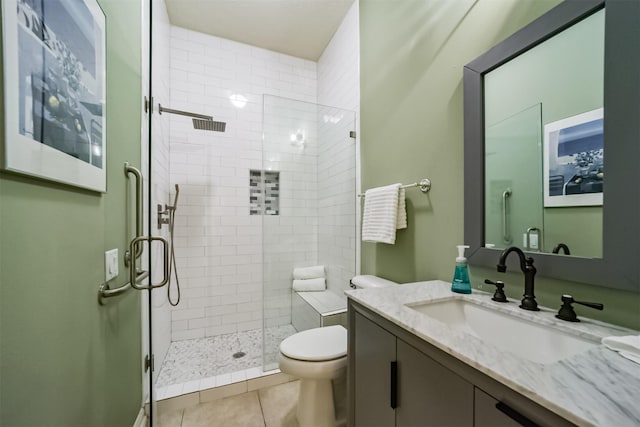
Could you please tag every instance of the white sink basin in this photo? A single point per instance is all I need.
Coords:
(532, 341)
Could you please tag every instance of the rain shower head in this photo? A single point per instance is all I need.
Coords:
(210, 125)
(200, 121)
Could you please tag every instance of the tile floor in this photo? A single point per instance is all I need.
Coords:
(268, 407)
(194, 360)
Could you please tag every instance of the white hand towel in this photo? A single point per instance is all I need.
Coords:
(315, 272)
(317, 284)
(628, 346)
(380, 214)
(401, 220)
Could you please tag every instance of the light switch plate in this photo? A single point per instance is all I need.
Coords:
(110, 264)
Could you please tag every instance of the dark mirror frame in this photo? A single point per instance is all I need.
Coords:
(619, 267)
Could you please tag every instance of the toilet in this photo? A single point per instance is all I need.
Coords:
(318, 357)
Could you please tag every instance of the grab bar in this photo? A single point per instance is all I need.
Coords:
(128, 169)
(132, 271)
(505, 219)
(104, 292)
(136, 246)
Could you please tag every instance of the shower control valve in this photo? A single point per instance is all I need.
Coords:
(161, 215)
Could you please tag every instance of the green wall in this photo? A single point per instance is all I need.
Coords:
(412, 56)
(64, 359)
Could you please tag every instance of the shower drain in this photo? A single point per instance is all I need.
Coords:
(239, 354)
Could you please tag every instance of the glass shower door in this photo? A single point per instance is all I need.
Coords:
(306, 194)
(158, 196)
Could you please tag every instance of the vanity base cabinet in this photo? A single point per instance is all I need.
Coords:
(397, 385)
(397, 379)
(430, 394)
(375, 349)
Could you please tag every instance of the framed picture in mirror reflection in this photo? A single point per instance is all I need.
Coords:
(573, 159)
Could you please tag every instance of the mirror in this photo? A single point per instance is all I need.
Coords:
(532, 199)
(540, 107)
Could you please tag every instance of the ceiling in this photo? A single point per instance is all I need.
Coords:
(300, 28)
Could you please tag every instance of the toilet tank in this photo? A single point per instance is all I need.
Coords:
(369, 281)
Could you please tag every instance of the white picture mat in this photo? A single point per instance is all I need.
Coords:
(28, 156)
(587, 199)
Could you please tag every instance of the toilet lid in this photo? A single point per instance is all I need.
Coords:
(316, 344)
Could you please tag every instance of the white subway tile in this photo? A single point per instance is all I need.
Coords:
(187, 335)
(187, 314)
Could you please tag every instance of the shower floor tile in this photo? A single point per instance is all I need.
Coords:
(201, 358)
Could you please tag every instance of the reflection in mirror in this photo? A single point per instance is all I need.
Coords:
(547, 89)
(513, 181)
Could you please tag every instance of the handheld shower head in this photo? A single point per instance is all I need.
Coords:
(175, 201)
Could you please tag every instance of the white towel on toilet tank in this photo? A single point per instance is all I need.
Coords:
(380, 218)
(305, 285)
(314, 272)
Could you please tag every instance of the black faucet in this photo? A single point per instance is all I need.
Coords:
(526, 265)
(565, 249)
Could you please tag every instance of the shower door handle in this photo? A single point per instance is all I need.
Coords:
(133, 274)
(128, 169)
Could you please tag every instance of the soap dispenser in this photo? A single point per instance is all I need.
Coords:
(461, 282)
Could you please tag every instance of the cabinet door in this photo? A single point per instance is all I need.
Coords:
(375, 350)
(430, 394)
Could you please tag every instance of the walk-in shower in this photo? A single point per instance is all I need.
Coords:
(251, 212)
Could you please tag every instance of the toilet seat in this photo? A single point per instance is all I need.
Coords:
(316, 345)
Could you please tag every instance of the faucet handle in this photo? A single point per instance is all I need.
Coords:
(566, 311)
(499, 295)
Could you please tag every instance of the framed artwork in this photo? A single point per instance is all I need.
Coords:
(573, 161)
(55, 87)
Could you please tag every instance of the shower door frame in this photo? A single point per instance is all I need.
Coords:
(148, 388)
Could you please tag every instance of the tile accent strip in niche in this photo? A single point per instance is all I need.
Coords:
(264, 192)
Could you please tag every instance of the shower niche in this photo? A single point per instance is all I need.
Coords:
(264, 192)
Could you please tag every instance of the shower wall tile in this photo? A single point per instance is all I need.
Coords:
(218, 244)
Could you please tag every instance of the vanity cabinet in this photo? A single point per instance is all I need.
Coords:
(375, 350)
(398, 379)
(397, 385)
(428, 393)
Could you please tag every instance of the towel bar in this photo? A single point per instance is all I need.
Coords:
(424, 185)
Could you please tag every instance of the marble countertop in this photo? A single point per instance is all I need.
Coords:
(596, 387)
